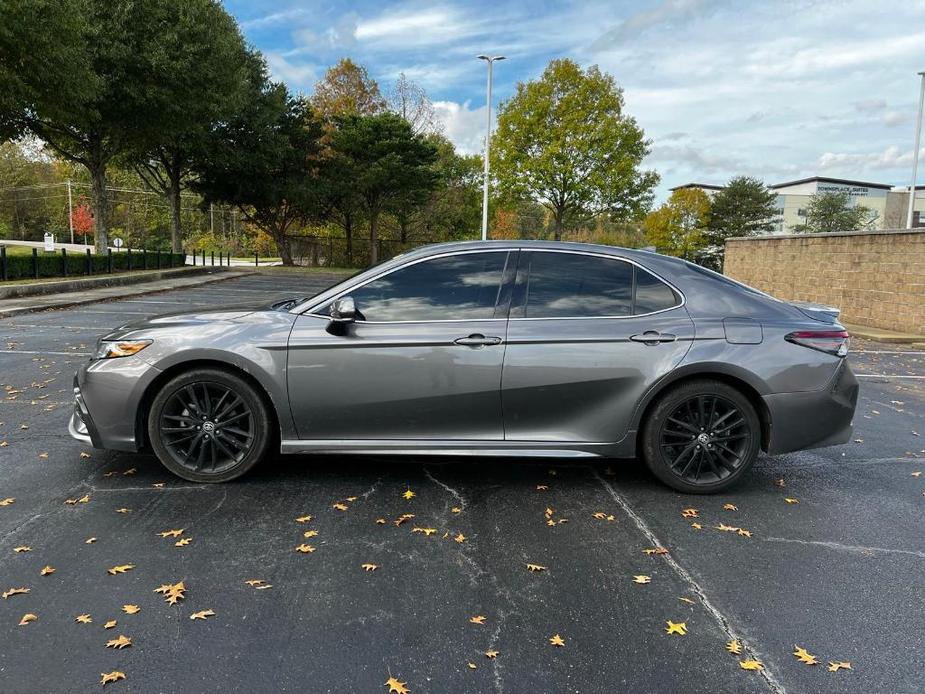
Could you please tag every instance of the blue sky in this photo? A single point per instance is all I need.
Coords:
(779, 90)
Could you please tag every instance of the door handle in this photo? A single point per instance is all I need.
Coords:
(653, 337)
(477, 340)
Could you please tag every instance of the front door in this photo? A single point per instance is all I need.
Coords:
(588, 334)
(422, 361)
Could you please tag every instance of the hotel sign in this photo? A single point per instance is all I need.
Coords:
(857, 191)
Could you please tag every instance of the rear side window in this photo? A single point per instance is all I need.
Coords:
(564, 285)
(652, 294)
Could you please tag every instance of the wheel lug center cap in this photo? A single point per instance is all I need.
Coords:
(702, 438)
(208, 427)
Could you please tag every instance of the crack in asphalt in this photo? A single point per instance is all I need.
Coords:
(684, 575)
(456, 495)
(860, 549)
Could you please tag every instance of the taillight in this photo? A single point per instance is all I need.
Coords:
(829, 341)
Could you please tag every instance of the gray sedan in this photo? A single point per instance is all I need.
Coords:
(501, 348)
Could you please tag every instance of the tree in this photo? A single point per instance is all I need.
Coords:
(203, 63)
(265, 161)
(82, 218)
(833, 211)
(386, 163)
(745, 207)
(347, 89)
(677, 227)
(410, 101)
(565, 141)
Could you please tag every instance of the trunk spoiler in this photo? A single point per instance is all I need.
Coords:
(819, 312)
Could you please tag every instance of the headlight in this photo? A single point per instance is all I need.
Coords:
(120, 348)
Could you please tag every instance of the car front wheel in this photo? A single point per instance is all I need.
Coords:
(208, 425)
(701, 437)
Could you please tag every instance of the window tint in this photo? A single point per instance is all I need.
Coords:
(461, 286)
(570, 285)
(652, 294)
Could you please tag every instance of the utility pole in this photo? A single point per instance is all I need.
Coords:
(70, 212)
(212, 218)
(915, 152)
(490, 60)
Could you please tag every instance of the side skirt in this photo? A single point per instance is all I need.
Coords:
(525, 449)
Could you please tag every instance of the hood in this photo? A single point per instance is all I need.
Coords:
(190, 319)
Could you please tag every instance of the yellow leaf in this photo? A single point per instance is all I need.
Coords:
(549, 512)
(26, 618)
(491, 655)
(7, 502)
(110, 624)
(303, 519)
(396, 687)
(745, 533)
(305, 549)
(791, 500)
(836, 666)
(369, 567)
(123, 510)
(805, 656)
(23, 548)
(687, 600)
(47, 571)
(183, 542)
(427, 531)
(655, 550)
(479, 619)
(460, 538)
(642, 578)
(551, 522)
(120, 569)
(402, 518)
(84, 454)
(456, 509)
(130, 471)
(83, 619)
(557, 640)
(310, 533)
(730, 507)
(131, 609)
(172, 592)
(734, 647)
(696, 526)
(748, 664)
(122, 642)
(409, 494)
(340, 507)
(600, 515)
(351, 499)
(680, 628)
(535, 567)
(114, 676)
(89, 540)
(202, 614)
(690, 513)
(727, 528)
(541, 487)
(471, 665)
(172, 533)
(254, 582)
(14, 591)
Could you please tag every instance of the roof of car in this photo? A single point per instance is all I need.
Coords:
(435, 248)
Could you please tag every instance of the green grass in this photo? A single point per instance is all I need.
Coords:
(23, 250)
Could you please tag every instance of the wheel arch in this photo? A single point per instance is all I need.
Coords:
(153, 388)
(745, 382)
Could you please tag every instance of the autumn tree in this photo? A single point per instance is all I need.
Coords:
(834, 211)
(347, 89)
(82, 218)
(565, 141)
(745, 207)
(409, 100)
(677, 227)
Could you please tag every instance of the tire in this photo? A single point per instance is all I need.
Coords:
(209, 425)
(698, 450)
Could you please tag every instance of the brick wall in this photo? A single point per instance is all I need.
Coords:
(876, 278)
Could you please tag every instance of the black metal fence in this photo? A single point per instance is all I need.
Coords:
(43, 264)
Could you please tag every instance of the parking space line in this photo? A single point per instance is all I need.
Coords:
(849, 548)
(884, 376)
(685, 576)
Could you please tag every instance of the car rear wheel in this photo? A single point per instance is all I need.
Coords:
(208, 425)
(701, 437)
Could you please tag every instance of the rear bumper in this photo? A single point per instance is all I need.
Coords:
(815, 418)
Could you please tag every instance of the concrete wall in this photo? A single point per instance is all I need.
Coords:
(876, 278)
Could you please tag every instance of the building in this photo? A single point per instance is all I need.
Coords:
(888, 203)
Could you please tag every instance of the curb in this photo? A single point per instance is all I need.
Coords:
(883, 335)
(79, 298)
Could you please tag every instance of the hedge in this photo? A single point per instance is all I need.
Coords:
(53, 264)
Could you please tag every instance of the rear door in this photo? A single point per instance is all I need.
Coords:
(588, 334)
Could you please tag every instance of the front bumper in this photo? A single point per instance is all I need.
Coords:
(816, 418)
(81, 425)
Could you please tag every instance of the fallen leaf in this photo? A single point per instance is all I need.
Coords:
(396, 687)
(351, 499)
(470, 665)
(727, 528)
(460, 538)
(172, 533)
(556, 640)
(805, 656)
(114, 676)
(131, 609)
(690, 513)
(680, 628)
(122, 642)
(311, 533)
(14, 591)
(479, 619)
(130, 471)
(89, 540)
(836, 666)
(123, 510)
(83, 619)
(744, 533)
(687, 600)
(917, 473)
(541, 487)
(257, 583)
(305, 549)
(748, 664)
(642, 578)
(47, 571)
(369, 567)
(380, 521)
(110, 624)
(84, 454)
(409, 494)
(120, 569)
(491, 655)
(535, 567)
(780, 482)
(172, 592)
(791, 500)
(183, 542)
(26, 618)
(655, 550)
(20, 550)
(303, 519)
(730, 507)
(340, 507)
(696, 526)
(427, 531)
(202, 614)
(734, 647)
(7, 502)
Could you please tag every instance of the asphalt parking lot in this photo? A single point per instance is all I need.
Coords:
(833, 559)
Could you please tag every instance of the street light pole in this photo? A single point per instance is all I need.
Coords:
(490, 60)
(915, 152)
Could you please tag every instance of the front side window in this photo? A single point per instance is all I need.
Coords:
(455, 287)
(568, 285)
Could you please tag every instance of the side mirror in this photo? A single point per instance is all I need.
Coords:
(344, 310)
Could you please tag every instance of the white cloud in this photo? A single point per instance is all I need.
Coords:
(299, 76)
(890, 158)
(273, 18)
(463, 125)
(666, 12)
